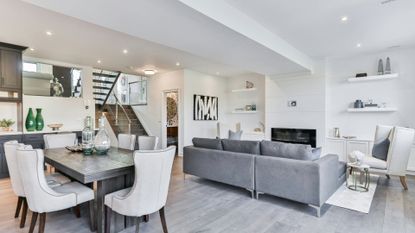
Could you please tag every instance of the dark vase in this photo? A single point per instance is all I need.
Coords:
(30, 123)
(40, 123)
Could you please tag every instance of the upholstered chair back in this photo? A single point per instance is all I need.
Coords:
(147, 142)
(59, 140)
(382, 132)
(10, 151)
(126, 141)
(151, 185)
(40, 197)
(399, 151)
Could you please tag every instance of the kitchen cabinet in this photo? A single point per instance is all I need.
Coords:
(343, 147)
(10, 69)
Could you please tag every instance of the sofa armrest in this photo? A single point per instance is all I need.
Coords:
(328, 176)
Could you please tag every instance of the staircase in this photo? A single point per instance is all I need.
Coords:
(122, 118)
(104, 81)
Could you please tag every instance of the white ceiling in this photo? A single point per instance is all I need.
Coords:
(175, 25)
(315, 27)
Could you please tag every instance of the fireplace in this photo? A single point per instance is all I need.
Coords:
(297, 136)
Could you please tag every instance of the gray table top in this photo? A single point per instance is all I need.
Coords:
(89, 168)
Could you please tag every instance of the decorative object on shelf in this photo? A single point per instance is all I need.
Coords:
(358, 104)
(102, 142)
(205, 108)
(361, 75)
(40, 123)
(249, 85)
(258, 130)
(30, 123)
(262, 126)
(248, 107)
(380, 67)
(336, 132)
(56, 88)
(370, 104)
(6, 125)
(292, 103)
(88, 137)
(384, 105)
(388, 66)
(253, 107)
(55, 127)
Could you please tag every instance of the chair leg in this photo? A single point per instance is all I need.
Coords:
(388, 177)
(107, 227)
(163, 220)
(42, 222)
(33, 222)
(92, 224)
(403, 182)
(137, 224)
(146, 218)
(18, 207)
(24, 213)
(77, 211)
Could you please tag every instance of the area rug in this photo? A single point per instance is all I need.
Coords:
(353, 200)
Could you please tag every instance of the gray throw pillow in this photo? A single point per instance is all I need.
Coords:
(380, 150)
(235, 135)
(208, 143)
(316, 153)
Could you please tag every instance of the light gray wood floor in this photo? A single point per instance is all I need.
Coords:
(198, 205)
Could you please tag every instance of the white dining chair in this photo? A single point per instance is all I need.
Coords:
(60, 140)
(10, 151)
(150, 189)
(147, 142)
(398, 148)
(126, 141)
(42, 199)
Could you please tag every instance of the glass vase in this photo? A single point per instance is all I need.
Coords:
(30, 123)
(88, 137)
(40, 123)
(102, 142)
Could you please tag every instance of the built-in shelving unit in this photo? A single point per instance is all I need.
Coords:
(244, 112)
(244, 90)
(372, 109)
(374, 78)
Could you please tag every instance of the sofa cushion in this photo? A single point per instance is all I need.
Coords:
(248, 147)
(288, 150)
(208, 143)
(342, 168)
(380, 150)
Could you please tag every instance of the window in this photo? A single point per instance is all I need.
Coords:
(29, 67)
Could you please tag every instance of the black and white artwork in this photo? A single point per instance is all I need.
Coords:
(205, 108)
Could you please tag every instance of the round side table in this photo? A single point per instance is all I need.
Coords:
(358, 177)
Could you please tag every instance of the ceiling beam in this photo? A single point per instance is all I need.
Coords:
(234, 19)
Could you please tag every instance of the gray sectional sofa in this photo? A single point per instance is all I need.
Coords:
(291, 171)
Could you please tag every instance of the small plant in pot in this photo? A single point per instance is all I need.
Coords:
(6, 124)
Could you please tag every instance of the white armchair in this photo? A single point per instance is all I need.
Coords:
(401, 140)
(40, 197)
(54, 180)
(126, 141)
(59, 140)
(147, 142)
(150, 189)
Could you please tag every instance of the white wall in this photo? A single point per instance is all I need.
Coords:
(202, 84)
(9, 111)
(398, 93)
(150, 114)
(309, 92)
(239, 99)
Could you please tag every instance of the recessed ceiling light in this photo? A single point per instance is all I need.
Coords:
(177, 63)
(49, 33)
(125, 51)
(359, 45)
(99, 61)
(149, 72)
(32, 49)
(344, 19)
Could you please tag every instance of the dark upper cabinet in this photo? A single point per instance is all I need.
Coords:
(10, 69)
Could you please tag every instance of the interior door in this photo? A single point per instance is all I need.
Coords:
(11, 69)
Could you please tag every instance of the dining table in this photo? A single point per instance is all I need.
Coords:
(111, 172)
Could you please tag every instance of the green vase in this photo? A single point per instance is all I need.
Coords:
(40, 124)
(30, 121)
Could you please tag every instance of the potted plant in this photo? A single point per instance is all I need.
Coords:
(6, 124)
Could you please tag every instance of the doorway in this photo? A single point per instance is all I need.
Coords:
(171, 119)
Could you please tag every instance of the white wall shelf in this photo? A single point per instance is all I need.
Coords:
(244, 112)
(372, 109)
(374, 78)
(243, 90)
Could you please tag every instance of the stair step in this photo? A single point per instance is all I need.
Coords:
(99, 93)
(102, 88)
(105, 75)
(99, 99)
(102, 81)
